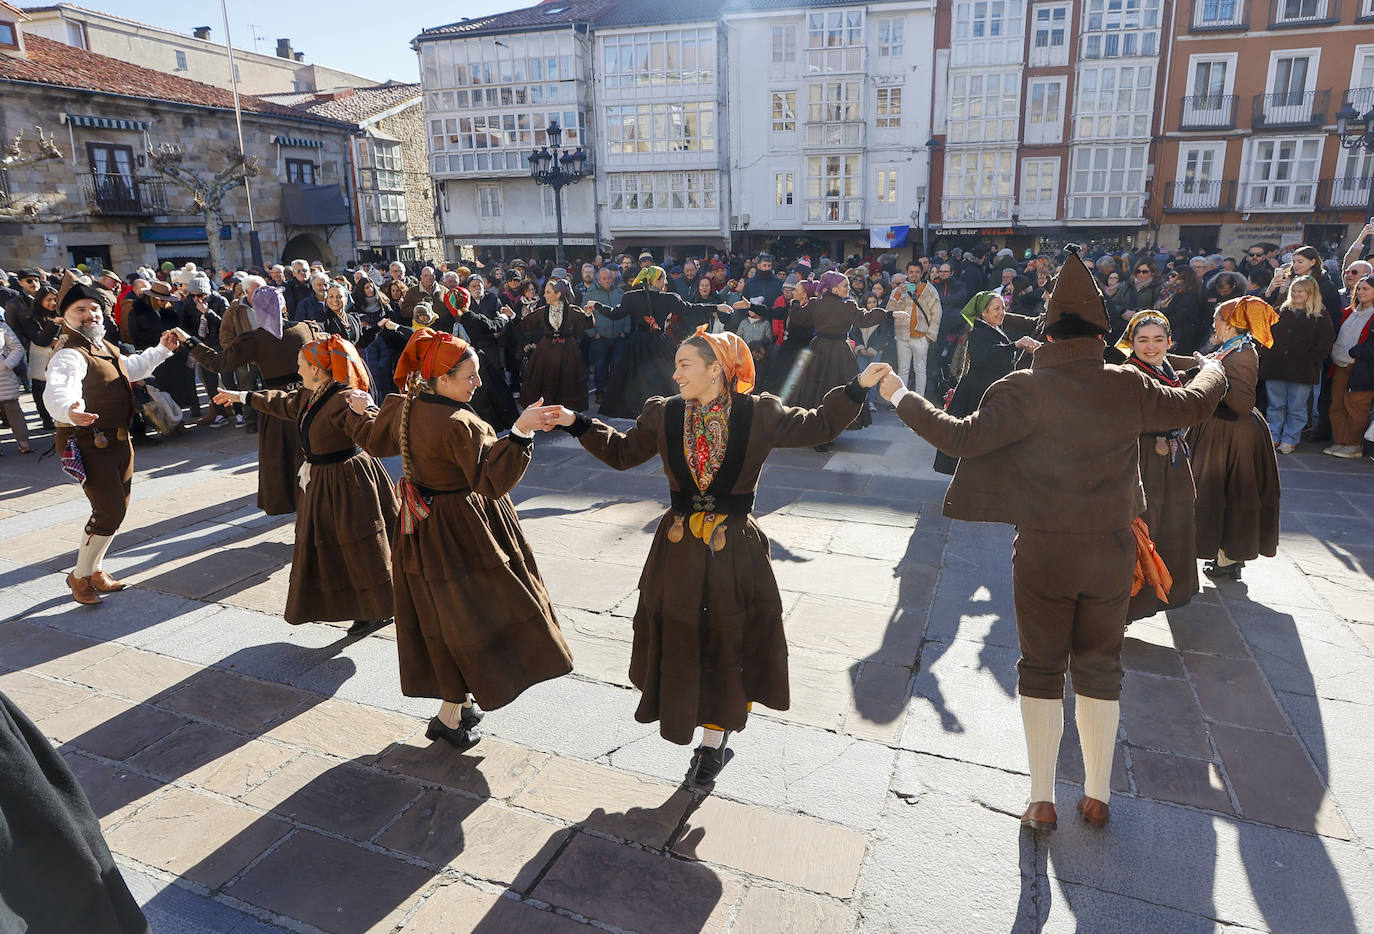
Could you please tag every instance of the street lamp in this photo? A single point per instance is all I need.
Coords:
(558, 168)
(1357, 132)
(918, 217)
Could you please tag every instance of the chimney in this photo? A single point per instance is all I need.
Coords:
(284, 48)
(202, 32)
(298, 56)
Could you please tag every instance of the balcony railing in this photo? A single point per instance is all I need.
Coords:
(1362, 99)
(836, 61)
(1290, 108)
(824, 135)
(1300, 195)
(1219, 15)
(1199, 196)
(1208, 112)
(834, 210)
(124, 195)
(976, 210)
(1338, 193)
(1303, 12)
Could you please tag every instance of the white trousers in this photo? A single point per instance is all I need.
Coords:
(911, 357)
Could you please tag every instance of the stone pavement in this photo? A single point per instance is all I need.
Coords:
(253, 777)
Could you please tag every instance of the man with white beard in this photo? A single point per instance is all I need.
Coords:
(90, 396)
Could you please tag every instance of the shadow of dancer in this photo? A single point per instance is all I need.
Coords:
(154, 740)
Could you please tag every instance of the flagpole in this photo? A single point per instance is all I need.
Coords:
(254, 244)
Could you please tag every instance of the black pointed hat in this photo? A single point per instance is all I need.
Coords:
(1076, 296)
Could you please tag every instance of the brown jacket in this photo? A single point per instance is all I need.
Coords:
(1055, 447)
(1300, 345)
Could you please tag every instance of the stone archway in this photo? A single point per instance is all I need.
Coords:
(308, 247)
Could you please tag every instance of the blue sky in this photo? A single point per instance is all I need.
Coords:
(370, 39)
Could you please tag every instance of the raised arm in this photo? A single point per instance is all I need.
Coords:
(375, 430)
(492, 465)
(1005, 416)
(1163, 408)
(1242, 368)
(243, 349)
(796, 427)
(617, 449)
(279, 403)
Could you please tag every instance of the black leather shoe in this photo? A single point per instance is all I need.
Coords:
(1221, 573)
(706, 764)
(460, 739)
(363, 627)
(472, 716)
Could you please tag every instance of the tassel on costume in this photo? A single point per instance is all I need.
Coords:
(413, 505)
(1149, 566)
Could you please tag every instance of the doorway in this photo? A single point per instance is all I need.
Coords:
(95, 258)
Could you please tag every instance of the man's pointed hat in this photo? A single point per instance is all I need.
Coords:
(1076, 295)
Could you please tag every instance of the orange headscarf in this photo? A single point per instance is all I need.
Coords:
(431, 353)
(340, 359)
(1253, 314)
(734, 356)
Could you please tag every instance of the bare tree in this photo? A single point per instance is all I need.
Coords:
(14, 156)
(207, 194)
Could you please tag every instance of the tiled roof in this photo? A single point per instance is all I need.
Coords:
(54, 63)
(646, 12)
(355, 107)
(548, 14)
(782, 6)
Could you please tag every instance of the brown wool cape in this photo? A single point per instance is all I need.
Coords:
(708, 635)
(279, 449)
(1236, 469)
(341, 561)
(472, 613)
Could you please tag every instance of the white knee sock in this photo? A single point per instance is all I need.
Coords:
(1043, 720)
(90, 554)
(451, 714)
(712, 739)
(1222, 560)
(1097, 721)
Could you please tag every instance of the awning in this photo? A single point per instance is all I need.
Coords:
(298, 141)
(106, 123)
(313, 206)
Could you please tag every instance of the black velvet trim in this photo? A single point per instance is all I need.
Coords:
(436, 399)
(856, 392)
(523, 442)
(581, 423)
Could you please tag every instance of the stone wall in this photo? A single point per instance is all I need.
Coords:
(65, 221)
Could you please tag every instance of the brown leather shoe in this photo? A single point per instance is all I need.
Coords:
(1041, 815)
(82, 591)
(105, 583)
(1095, 813)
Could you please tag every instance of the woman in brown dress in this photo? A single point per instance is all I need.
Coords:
(557, 370)
(474, 623)
(708, 636)
(273, 346)
(832, 361)
(341, 562)
(1164, 471)
(1233, 456)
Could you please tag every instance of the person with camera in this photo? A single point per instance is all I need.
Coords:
(202, 314)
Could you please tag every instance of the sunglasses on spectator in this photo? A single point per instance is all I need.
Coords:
(1255, 255)
(1142, 271)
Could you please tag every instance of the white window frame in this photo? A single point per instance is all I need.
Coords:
(1131, 30)
(1296, 189)
(1039, 208)
(834, 197)
(1200, 189)
(180, 57)
(1202, 108)
(489, 202)
(1321, 10)
(980, 185)
(787, 123)
(1050, 54)
(1115, 187)
(1236, 17)
(547, 200)
(885, 191)
(1050, 130)
(1302, 110)
(888, 107)
(1001, 40)
(784, 194)
(1350, 187)
(784, 44)
(1362, 73)
(660, 127)
(978, 113)
(891, 36)
(659, 198)
(1102, 112)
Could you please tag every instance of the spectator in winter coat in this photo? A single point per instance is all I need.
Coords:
(1141, 291)
(297, 288)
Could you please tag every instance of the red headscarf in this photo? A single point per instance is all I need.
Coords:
(457, 300)
(734, 356)
(430, 353)
(340, 359)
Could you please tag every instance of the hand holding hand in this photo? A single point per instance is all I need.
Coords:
(1028, 343)
(537, 417)
(890, 385)
(359, 401)
(80, 418)
(872, 374)
(224, 397)
(172, 339)
(565, 418)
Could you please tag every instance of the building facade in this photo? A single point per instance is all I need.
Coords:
(1044, 112)
(492, 89)
(102, 203)
(1248, 150)
(828, 121)
(393, 213)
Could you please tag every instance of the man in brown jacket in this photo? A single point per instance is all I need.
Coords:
(1053, 450)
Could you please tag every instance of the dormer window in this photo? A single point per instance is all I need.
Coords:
(9, 35)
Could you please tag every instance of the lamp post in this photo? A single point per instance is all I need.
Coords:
(1356, 132)
(558, 168)
(918, 217)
